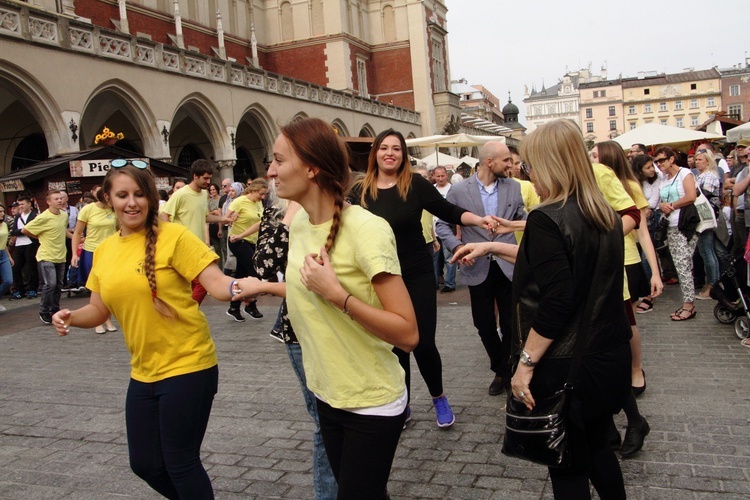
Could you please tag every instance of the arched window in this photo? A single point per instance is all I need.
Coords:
(287, 23)
(188, 155)
(32, 149)
(389, 24)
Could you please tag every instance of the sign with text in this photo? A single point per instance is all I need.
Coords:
(93, 168)
(12, 185)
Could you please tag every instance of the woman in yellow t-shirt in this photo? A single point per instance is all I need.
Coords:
(349, 307)
(246, 211)
(6, 269)
(99, 222)
(174, 371)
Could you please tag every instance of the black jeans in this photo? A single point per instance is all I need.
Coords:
(360, 449)
(495, 289)
(166, 422)
(243, 251)
(25, 272)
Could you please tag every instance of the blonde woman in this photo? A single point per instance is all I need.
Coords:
(709, 184)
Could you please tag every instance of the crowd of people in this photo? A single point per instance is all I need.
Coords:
(359, 260)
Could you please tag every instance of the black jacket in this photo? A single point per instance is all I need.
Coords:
(15, 229)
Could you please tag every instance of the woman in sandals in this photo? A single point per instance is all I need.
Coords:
(677, 191)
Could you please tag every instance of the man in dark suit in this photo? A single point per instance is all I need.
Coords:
(489, 192)
(25, 273)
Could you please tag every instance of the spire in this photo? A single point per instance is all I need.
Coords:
(220, 33)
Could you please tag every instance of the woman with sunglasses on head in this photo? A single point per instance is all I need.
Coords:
(143, 274)
(710, 185)
(677, 191)
(99, 222)
(348, 305)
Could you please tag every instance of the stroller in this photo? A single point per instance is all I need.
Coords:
(731, 304)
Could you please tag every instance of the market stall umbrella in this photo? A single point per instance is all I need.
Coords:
(469, 160)
(456, 140)
(652, 134)
(441, 159)
(736, 133)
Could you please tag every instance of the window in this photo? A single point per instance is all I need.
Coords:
(679, 123)
(734, 90)
(693, 103)
(663, 121)
(735, 111)
(631, 125)
(647, 108)
(287, 23)
(603, 93)
(613, 124)
(568, 106)
(677, 105)
(631, 110)
(589, 113)
(316, 15)
(646, 91)
(551, 110)
(389, 24)
(537, 110)
(589, 127)
(362, 77)
(438, 66)
(596, 93)
(693, 121)
(711, 101)
(693, 86)
(611, 111)
(662, 106)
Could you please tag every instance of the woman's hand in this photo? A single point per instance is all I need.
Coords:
(656, 285)
(520, 385)
(468, 253)
(488, 223)
(317, 275)
(435, 245)
(247, 288)
(666, 208)
(503, 226)
(233, 238)
(61, 322)
(74, 260)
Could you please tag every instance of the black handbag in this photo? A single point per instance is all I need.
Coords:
(540, 435)
(659, 236)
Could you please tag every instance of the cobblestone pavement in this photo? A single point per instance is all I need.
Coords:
(62, 431)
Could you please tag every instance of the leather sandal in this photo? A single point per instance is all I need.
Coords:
(677, 315)
(646, 305)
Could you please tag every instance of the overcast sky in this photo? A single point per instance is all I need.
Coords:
(506, 44)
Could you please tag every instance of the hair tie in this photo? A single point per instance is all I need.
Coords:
(153, 294)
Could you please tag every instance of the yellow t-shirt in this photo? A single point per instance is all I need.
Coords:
(530, 200)
(3, 235)
(617, 197)
(426, 222)
(248, 213)
(345, 364)
(189, 208)
(159, 348)
(50, 229)
(631, 249)
(101, 223)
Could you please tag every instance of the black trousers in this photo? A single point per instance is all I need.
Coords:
(25, 272)
(496, 289)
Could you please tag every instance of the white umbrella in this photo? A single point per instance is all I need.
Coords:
(652, 134)
(737, 133)
(441, 159)
(457, 140)
(469, 160)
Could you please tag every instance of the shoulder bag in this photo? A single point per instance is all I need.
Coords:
(540, 435)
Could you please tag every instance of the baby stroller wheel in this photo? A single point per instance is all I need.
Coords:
(742, 327)
(724, 315)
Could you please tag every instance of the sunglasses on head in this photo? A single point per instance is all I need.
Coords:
(121, 162)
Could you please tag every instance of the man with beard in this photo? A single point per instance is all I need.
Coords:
(489, 192)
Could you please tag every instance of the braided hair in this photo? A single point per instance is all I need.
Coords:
(317, 145)
(145, 181)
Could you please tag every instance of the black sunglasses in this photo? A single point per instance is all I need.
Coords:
(659, 161)
(121, 162)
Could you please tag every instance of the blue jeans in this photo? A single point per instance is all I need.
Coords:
(166, 422)
(324, 482)
(53, 277)
(450, 269)
(710, 262)
(6, 273)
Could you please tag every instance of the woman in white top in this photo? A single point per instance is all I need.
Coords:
(710, 185)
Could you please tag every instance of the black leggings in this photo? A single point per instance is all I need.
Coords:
(421, 289)
(243, 251)
(360, 449)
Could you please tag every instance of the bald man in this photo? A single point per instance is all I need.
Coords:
(490, 191)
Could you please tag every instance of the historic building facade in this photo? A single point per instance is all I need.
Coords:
(601, 110)
(735, 91)
(215, 79)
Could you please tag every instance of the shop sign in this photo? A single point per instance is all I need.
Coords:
(92, 168)
(11, 185)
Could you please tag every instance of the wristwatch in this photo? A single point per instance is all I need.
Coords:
(525, 359)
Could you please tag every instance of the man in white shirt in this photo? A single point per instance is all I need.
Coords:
(440, 175)
(25, 272)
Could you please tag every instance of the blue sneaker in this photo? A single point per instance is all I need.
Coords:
(16, 296)
(31, 294)
(445, 417)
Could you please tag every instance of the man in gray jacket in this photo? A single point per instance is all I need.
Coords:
(489, 192)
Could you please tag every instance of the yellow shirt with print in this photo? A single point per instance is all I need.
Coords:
(159, 347)
(50, 229)
(617, 197)
(530, 200)
(248, 213)
(346, 365)
(101, 223)
(189, 208)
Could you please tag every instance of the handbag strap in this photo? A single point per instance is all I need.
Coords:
(583, 332)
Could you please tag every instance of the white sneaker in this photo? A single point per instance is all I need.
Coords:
(2, 309)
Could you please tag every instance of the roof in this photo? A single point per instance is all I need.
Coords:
(690, 76)
(60, 163)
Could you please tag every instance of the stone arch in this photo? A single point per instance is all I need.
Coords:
(256, 133)
(120, 107)
(341, 127)
(299, 116)
(367, 131)
(197, 122)
(28, 109)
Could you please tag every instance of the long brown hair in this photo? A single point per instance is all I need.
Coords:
(369, 183)
(612, 155)
(318, 146)
(560, 163)
(145, 181)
